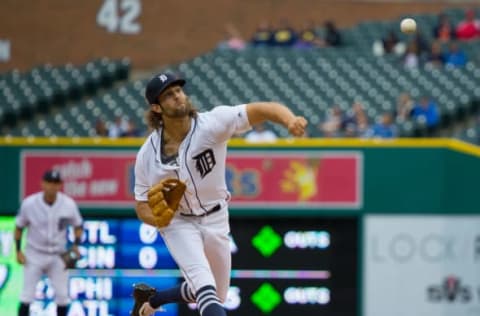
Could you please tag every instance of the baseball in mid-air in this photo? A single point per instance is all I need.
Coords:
(408, 26)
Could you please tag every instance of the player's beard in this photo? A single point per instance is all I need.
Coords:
(178, 111)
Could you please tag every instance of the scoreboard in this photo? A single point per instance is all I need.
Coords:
(288, 265)
(280, 266)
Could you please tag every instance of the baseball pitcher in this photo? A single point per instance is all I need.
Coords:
(180, 188)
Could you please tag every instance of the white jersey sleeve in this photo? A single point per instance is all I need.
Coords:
(21, 219)
(227, 121)
(141, 178)
(76, 219)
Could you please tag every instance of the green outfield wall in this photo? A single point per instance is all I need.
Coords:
(400, 176)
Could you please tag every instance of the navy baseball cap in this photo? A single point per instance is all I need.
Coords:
(52, 176)
(159, 83)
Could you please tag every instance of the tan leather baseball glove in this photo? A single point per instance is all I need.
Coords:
(164, 198)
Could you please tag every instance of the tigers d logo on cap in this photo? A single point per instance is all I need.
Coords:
(52, 176)
(159, 83)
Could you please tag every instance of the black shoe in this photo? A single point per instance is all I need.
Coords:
(141, 293)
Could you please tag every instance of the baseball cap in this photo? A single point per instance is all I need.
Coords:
(52, 176)
(159, 83)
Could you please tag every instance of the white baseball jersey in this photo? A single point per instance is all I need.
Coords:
(46, 239)
(47, 224)
(200, 162)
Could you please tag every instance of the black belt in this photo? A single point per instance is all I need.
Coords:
(216, 208)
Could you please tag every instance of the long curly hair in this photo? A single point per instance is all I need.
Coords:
(154, 120)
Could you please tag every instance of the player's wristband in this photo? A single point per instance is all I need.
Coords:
(18, 244)
(77, 241)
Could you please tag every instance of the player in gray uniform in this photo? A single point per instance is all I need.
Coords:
(46, 215)
(192, 147)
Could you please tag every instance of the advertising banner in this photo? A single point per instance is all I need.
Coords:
(92, 177)
(421, 265)
(286, 179)
(313, 179)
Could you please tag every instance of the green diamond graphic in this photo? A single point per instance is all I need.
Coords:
(267, 241)
(266, 298)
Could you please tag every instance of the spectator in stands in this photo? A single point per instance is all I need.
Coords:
(284, 35)
(455, 56)
(260, 133)
(117, 128)
(436, 57)
(404, 107)
(411, 58)
(332, 36)
(444, 31)
(262, 36)
(427, 110)
(331, 126)
(132, 130)
(101, 128)
(385, 128)
(423, 47)
(233, 39)
(356, 121)
(350, 131)
(390, 41)
(362, 124)
(308, 37)
(468, 28)
(389, 44)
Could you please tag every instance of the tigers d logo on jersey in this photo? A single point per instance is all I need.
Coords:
(204, 162)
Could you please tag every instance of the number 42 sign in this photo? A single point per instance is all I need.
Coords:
(120, 16)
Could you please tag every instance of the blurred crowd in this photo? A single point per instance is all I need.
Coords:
(443, 50)
(343, 121)
(355, 122)
(120, 127)
(283, 34)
